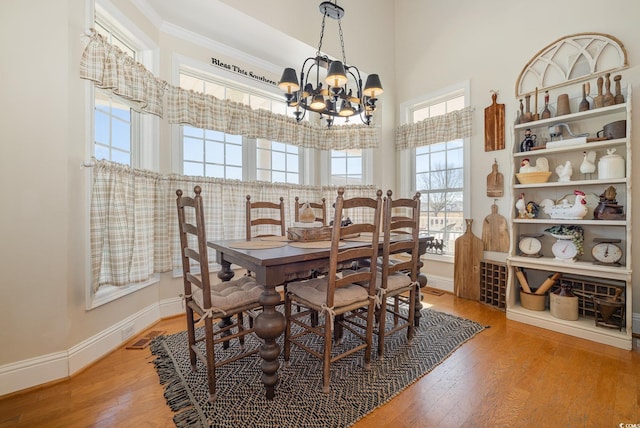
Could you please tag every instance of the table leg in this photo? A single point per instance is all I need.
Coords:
(269, 325)
(422, 280)
(225, 274)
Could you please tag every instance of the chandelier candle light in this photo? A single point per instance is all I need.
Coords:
(343, 94)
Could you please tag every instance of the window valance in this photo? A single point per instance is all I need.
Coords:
(446, 127)
(110, 68)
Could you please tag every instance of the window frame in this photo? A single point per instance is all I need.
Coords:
(408, 157)
(145, 133)
(183, 65)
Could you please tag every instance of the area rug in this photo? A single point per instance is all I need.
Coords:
(298, 400)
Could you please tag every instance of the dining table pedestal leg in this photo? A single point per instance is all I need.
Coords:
(269, 325)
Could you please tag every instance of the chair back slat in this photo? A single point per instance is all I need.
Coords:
(401, 234)
(263, 213)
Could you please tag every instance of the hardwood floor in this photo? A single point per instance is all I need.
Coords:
(510, 375)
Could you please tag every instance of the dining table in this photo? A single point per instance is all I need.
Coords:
(274, 263)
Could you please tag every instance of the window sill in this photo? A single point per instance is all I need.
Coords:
(108, 293)
(442, 258)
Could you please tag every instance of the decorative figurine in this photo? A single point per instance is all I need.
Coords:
(564, 172)
(608, 208)
(588, 165)
(564, 210)
(529, 141)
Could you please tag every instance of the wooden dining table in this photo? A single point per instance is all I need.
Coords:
(275, 266)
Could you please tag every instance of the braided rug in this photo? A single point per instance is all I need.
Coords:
(299, 401)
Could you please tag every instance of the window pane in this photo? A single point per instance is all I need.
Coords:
(121, 137)
(278, 161)
(278, 146)
(263, 175)
(191, 131)
(101, 152)
(438, 161)
(121, 157)
(278, 177)
(263, 159)
(214, 171)
(193, 150)
(234, 156)
(292, 163)
(455, 158)
(354, 166)
(215, 151)
(121, 111)
(338, 166)
(102, 128)
(234, 173)
(293, 178)
(235, 139)
(191, 168)
(213, 135)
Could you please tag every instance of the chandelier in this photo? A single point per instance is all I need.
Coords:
(341, 92)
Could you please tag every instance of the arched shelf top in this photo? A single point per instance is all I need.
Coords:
(572, 59)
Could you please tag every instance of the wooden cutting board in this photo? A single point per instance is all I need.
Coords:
(495, 232)
(466, 268)
(494, 126)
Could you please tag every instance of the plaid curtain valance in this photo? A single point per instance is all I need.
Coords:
(446, 127)
(110, 68)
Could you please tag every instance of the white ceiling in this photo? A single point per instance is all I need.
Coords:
(216, 20)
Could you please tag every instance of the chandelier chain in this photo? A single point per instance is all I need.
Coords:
(344, 55)
(318, 53)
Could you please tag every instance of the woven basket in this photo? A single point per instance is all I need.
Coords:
(309, 233)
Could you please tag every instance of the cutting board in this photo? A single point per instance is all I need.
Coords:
(466, 268)
(495, 232)
(494, 126)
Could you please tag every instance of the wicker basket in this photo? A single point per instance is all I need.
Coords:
(533, 177)
(309, 233)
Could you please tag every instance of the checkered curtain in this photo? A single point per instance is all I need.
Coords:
(446, 127)
(188, 107)
(110, 68)
(125, 206)
(134, 225)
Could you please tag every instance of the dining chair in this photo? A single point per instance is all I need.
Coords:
(262, 216)
(399, 267)
(206, 302)
(319, 208)
(335, 294)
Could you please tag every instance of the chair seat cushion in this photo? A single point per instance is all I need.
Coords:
(315, 291)
(394, 282)
(231, 294)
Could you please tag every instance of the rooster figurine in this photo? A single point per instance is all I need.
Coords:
(564, 210)
(542, 165)
(521, 206)
(588, 165)
(564, 172)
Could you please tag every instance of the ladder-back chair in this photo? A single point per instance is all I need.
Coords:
(334, 295)
(206, 302)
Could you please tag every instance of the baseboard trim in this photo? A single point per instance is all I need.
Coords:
(57, 366)
(440, 282)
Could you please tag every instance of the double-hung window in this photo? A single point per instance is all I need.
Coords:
(218, 154)
(439, 172)
(115, 130)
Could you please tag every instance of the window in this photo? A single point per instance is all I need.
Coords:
(113, 118)
(438, 173)
(120, 134)
(218, 154)
(346, 167)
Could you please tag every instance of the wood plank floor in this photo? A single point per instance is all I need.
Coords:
(510, 375)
